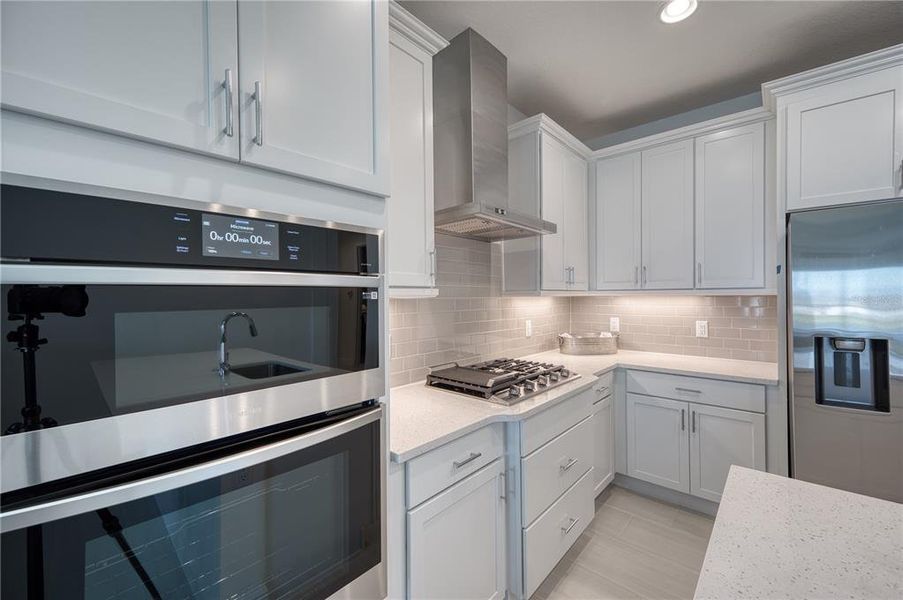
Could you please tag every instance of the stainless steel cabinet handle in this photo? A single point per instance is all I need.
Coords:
(644, 275)
(473, 456)
(699, 273)
(683, 423)
(257, 98)
(636, 275)
(602, 391)
(691, 391)
(693, 422)
(433, 266)
(573, 522)
(569, 464)
(503, 482)
(229, 129)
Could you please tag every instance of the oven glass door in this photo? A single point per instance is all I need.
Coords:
(272, 522)
(85, 352)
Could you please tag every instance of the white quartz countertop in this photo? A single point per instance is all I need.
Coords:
(776, 537)
(423, 418)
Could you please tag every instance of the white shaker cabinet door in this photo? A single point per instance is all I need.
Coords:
(719, 438)
(576, 255)
(657, 441)
(603, 444)
(553, 155)
(314, 94)
(618, 222)
(667, 190)
(411, 248)
(158, 71)
(845, 141)
(730, 208)
(456, 540)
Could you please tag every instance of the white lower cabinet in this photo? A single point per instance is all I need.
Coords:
(657, 442)
(456, 540)
(555, 531)
(603, 444)
(690, 447)
(719, 438)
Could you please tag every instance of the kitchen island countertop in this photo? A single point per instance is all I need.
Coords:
(778, 538)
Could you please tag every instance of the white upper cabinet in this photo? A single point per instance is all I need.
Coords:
(845, 143)
(730, 208)
(618, 210)
(313, 91)
(667, 216)
(840, 131)
(563, 183)
(411, 244)
(150, 70)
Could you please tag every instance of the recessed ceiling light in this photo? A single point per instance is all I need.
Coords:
(677, 10)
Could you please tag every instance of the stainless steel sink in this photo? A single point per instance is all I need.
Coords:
(265, 369)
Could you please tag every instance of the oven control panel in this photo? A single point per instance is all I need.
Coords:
(51, 226)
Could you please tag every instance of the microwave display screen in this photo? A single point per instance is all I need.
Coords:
(237, 237)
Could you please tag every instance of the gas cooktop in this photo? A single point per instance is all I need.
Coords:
(503, 381)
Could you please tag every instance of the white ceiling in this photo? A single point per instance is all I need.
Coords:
(599, 67)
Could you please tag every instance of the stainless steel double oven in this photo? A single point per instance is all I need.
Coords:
(189, 402)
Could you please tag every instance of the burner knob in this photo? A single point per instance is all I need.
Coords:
(543, 380)
(530, 385)
(515, 391)
(553, 376)
(565, 373)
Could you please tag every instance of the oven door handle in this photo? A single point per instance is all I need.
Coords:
(122, 275)
(135, 490)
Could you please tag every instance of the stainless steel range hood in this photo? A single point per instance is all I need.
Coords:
(470, 133)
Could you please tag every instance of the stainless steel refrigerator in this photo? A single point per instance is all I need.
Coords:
(846, 348)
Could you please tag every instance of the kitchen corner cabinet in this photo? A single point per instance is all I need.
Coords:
(547, 169)
(563, 198)
(313, 93)
(411, 250)
(304, 93)
(456, 540)
(658, 448)
(730, 208)
(667, 216)
(159, 71)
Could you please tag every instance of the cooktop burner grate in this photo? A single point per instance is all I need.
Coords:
(503, 380)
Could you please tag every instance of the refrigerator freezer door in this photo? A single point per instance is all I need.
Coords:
(846, 286)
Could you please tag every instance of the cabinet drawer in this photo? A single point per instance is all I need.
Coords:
(555, 531)
(603, 386)
(552, 469)
(436, 470)
(729, 394)
(539, 429)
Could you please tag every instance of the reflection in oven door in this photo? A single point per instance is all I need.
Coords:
(296, 518)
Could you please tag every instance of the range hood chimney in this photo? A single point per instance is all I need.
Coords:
(470, 133)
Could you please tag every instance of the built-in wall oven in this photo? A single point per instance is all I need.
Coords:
(189, 402)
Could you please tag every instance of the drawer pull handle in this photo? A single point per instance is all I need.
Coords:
(567, 530)
(568, 466)
(473, 456)
(691, 391)
(602, 390)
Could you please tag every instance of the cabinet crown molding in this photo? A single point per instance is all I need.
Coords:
(403, 22)
(858, 65)
(542, 122)
(746, 117)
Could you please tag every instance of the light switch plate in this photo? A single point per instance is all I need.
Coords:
(702, 329)
(528, 328)
(614, 324)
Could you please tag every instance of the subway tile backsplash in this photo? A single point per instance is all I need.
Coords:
(471, 320)
(740, 327)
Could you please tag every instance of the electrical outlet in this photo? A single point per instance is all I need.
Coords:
(702, 329)
(614, 324)
(528, 328)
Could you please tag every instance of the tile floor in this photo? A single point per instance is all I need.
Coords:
(635, 547)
